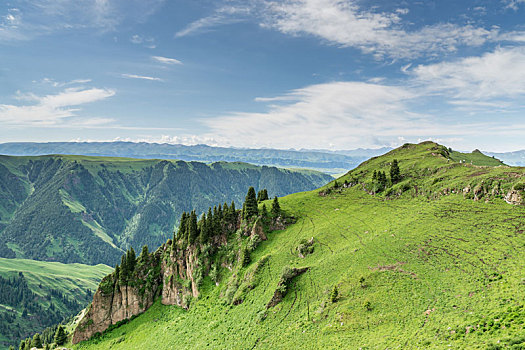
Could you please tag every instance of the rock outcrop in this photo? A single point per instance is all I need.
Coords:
(514, 197)
(168, 273)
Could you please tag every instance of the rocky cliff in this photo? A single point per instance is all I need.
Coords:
(172, 273)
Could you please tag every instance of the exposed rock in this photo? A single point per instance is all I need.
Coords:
(514, 197)
(284, 282)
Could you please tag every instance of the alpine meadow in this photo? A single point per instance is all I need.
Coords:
(262, 174)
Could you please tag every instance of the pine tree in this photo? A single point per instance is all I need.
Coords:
(276, 208)
(60, 336)
(374, 176)
(209, 223)
(203, 232)
(131, 260)
(123, 277)
(250, 203)
(264, 213)
(181, 233)
(334, 295)
(395, 173)
(193, 232)
(144, 253)
(262, 195)
(22, 345)
(37, 341)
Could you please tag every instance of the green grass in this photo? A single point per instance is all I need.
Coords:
(66, 277)
(440, 271)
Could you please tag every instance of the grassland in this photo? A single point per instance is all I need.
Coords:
(57, 291)
(421, 265)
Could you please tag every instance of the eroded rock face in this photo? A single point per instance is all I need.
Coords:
(173, 282)
(514, 197)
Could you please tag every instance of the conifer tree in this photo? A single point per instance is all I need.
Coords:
(203, 229)
(395, 173)
(209, 224)
(181, 234)
(123, 277)
(144, 253)
(192, 228)
(276, 208)
(37, 341)
(131, 260)
(334, 295)
(22, 345)
(264, 213)
(60, 336)
(250, 204)
(374, 176)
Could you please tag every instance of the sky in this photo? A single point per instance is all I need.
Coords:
(314, 74)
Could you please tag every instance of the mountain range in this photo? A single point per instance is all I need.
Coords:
(81, 209)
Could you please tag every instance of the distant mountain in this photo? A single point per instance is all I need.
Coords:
(516, 158)
(87, 209)
(336, 162)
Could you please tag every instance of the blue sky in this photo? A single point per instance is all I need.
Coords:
(330, 74)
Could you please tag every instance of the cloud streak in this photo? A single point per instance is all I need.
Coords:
(165, 60)
(142, 77)
(50, 110)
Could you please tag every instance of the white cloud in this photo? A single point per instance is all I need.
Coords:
(494, 75)
(143, 77)
(148, 42)
(222, 16)
(41, 17)
(54, 109)
(513, 4)
(345, 24)
(166, 60)
(336, 113)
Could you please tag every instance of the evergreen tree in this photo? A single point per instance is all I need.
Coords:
(144, 253)
(374, 176)
(11, 347)
(276, 208)
(262, 195)
(123, 277)
(37, 341)
(193, 232)
(395, 173)
(22, 345)
(181, 233)
(209, 223)
(334, 295)
(336, 184)
(250, 203)
(60, 336)
(264, 213)
(203, 230)
(131, 260)
(117, 272)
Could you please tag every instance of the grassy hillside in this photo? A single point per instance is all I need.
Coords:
(87, 209)
(424, 263)
(49, 293)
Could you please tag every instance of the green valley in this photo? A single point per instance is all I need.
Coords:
(36, 294)
(81, 209)
(427, 258)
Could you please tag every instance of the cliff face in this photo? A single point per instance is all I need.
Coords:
(170, 273)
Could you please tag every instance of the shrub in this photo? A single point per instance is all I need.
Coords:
(367, 305)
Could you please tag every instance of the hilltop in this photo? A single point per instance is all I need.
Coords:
(430, 261)
(89, 209)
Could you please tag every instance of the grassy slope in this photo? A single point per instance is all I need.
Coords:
(433, 268)
(66, 277)
(70, 279)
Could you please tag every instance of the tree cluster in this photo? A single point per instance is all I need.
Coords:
(262, 195)
(215, 222)
(124, 272)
